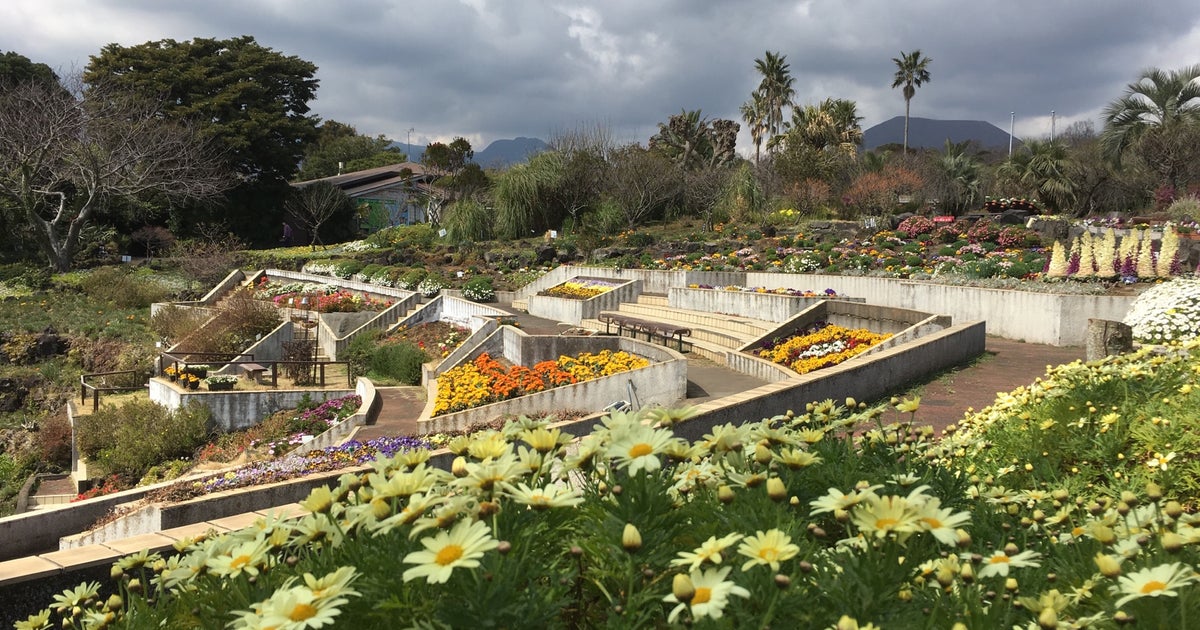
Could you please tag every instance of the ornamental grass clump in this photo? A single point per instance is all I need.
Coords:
(814, 520)
(1166, 312)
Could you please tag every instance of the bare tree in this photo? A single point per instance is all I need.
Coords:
(315, 204)
(66, 155)
(642, 182)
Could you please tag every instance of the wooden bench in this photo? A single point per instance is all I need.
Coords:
(253, 371)
(649, 328)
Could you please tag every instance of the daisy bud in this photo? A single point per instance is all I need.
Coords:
(776, 490)
(1172, 542)
(905, 595)
(762, 454)
(806, 566)
(725, 494)
(459, 467)
(964, 538)
(1129, 497)
(135, 586)
(1010, 584)
(850, 402)
(1123, 508)
(966, 573)
(631, 538)
(782, 581)
(682, 588)
(1122, 618)
(1104, 534)
(794, 501)
(841, 515)
(1048, 618)
(1011, 549)
(1154, 491)
(1060, 495)
(1038, 516)
(1173, 509)
(116, 572)
(1109, 566)
(114, 602)
(503, 547)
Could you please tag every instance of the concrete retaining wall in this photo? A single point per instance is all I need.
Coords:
(269, 348)
(575, 311)
(334, 344)
(864, 379)
(445, 308)
(765, 306)
(374, 290)
(236, 410)
(663, 382)
(1049, 318)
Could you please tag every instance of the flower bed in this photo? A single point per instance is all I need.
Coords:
(310, 422)
(221, 382)
(1167, 312)
(440, 338)
(485, 380)
(322, 298)
(580, 288)
(776, 291)
(819, 346)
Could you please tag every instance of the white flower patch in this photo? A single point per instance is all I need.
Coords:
(1167, 312)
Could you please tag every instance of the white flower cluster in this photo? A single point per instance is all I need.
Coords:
(359, 246)
(479, 292)
(318, 267)
(1167, 312)
(431, 286)
(801, 264)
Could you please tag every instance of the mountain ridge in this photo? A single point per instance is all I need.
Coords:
(930, 133)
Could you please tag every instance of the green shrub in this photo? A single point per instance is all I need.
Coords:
(129, 439)
(420, 236)
(117, 285)
(360, 349)
(398, 362)
(346, 268)
(479, 289)
(411, 279)
(1184, 209)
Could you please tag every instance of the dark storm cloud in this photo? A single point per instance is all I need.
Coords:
(495, 69)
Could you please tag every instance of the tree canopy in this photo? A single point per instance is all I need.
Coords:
(251, 100)
(339, 143)
(67, 160)
(16, 69)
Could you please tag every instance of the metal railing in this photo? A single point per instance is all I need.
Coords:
(103, 387)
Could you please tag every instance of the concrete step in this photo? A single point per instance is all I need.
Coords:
(732, 325)
(651, 299)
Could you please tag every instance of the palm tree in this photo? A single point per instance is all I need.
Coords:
(776, 91)
(834, 123)
(754, 113)
(1044, 168)
(960, 171)
(912, 71)
(1160, 106)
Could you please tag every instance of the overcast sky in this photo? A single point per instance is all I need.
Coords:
(492, 69)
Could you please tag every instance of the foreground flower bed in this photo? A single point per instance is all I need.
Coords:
(580, 288)
(789, 522)
(485, 380)
(819, 346)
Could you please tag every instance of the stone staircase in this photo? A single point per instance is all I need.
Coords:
(713, 334)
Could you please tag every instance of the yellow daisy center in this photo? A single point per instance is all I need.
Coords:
(885, 523)
(240, 562)
(640, 449)
(300, 612)
(999, 559)
(703, 595)
(448, 554)
(1153, 586)
(770, 554)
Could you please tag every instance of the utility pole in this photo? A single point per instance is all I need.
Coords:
(409, 143)
(1012, 118)
(1052, 125)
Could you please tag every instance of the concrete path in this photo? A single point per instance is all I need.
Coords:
(402, 407)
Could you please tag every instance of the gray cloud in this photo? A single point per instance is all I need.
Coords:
(488, 69)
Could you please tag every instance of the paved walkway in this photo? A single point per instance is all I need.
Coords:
(1004, 366)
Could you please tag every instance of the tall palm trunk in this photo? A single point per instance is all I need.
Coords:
(907, 102)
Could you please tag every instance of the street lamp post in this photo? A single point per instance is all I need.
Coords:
(1052, 125)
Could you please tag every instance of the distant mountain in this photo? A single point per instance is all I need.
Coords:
(507, 152)
(499, 153)
(927, 133)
